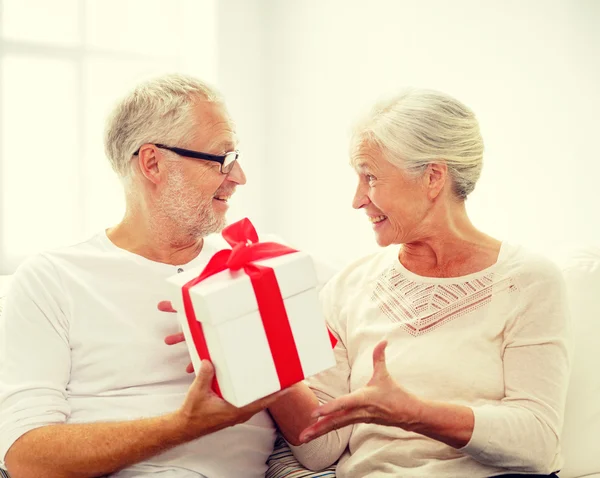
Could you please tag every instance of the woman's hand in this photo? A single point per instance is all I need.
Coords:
(382, 401)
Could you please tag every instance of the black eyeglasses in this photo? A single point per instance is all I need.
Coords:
(227, 161)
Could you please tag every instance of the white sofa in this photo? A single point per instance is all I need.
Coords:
(581, 434)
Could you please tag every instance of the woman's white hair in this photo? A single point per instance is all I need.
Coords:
(156, 111)
(419, 127)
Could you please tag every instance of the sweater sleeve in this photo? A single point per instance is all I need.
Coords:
(34, 354)
(335, 382)
(522, 431)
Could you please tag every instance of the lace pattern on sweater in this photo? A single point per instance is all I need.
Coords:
(421, 307)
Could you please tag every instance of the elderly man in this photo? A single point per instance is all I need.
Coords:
(87, 385)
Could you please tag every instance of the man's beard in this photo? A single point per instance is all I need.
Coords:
(193, 216)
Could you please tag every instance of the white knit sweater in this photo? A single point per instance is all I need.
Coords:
(496, 341)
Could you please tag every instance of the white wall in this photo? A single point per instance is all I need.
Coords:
(296, 74)
(242, 33)
(530, 70)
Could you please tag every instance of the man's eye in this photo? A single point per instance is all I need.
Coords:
(370, 177)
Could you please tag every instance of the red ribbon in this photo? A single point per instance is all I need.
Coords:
(243, 239)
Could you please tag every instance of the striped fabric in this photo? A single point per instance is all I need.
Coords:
(282, 463)
(3, 474)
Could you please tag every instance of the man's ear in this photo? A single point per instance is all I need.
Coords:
(436, 176)
(149, 163)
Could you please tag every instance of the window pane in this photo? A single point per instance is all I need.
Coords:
(55, 21)
(39, 184)
(106, 81)
(143, 26)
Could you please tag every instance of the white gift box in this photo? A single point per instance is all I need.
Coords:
(226, 305)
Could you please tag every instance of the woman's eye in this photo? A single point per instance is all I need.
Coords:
(370, 177)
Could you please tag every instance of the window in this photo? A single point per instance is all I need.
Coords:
(63, 65)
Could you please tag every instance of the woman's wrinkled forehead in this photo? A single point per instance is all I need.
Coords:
(364, 152)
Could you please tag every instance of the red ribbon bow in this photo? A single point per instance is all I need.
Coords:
(246, 249)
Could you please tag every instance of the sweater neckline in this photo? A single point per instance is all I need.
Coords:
(203, 256)
(502, 254)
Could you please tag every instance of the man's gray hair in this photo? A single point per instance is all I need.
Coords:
(419, 127)
(156, 111)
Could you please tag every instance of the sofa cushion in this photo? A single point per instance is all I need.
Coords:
(4, 282)
(581, 432)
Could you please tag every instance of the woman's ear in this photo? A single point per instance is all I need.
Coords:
(436, 176)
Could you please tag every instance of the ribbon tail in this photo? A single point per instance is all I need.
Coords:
(276, 325)
(199, 340)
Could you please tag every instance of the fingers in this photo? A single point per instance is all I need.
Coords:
(379, 366)
(346, 403)
(174, 339)
(331, 422)
(177, 339)
(205, 375)
(322, 427)
(166, 306)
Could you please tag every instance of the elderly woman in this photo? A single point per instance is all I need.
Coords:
(453, 352)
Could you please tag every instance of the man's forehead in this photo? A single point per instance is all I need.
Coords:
(226, 144)
(210, 114)
(216, 125)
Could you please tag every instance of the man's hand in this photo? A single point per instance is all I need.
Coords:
(166, 306)
(203, 412)
(290, 408)
(103, 448)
